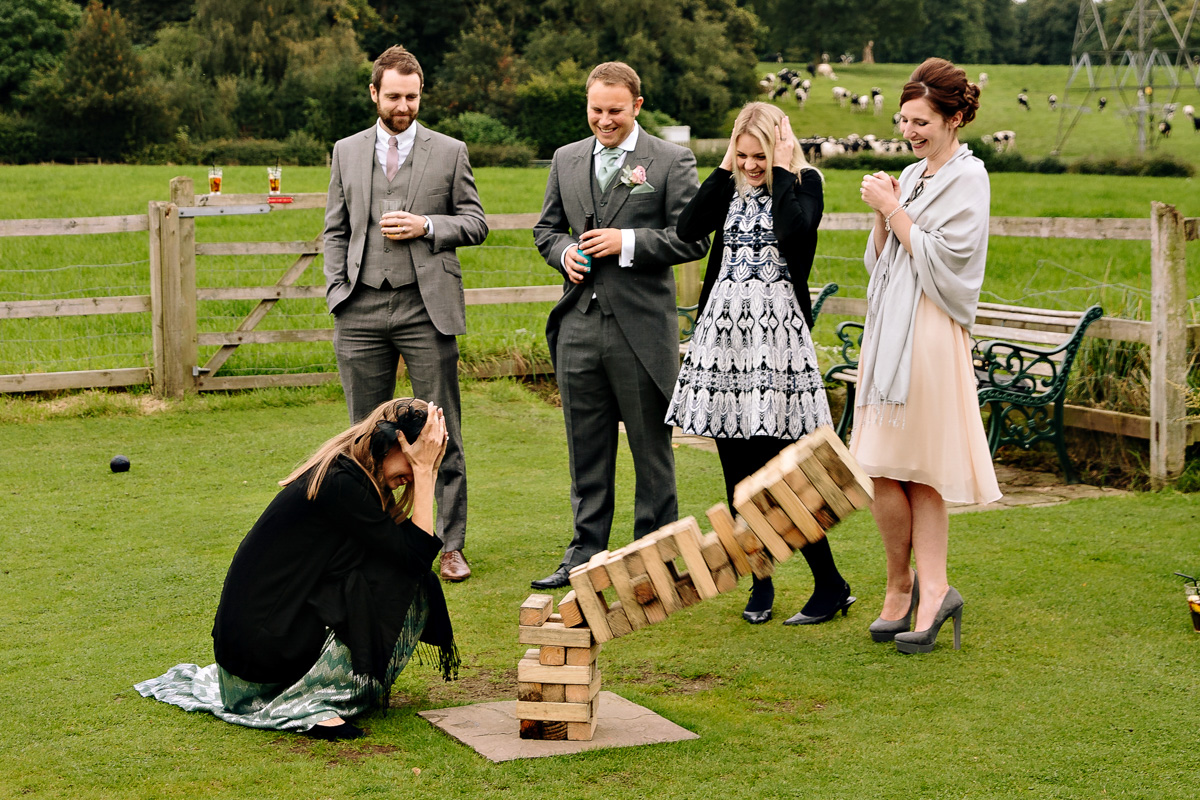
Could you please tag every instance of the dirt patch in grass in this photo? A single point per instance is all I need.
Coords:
(544, 386)
(672, 681)
(477, 686)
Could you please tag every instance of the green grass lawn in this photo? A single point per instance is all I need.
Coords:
(1101, 133)
(1076, 677)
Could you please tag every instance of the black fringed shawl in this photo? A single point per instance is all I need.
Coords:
(337, 561)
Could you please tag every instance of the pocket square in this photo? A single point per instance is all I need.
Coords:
(642, 188)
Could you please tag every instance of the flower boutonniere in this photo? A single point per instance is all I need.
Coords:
(635, 177)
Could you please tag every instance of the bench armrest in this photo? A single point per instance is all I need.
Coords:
(850, 333)
(687, 314)
(1007, 371)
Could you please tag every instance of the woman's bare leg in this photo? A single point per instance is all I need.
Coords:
(930, 545)
(893, 514)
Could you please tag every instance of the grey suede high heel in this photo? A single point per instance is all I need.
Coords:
(923, 641)
(885, 630)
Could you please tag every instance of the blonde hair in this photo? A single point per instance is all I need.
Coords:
(355, 444)
(759, 120)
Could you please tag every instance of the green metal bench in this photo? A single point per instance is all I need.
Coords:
(1021, 378)
(687, 314)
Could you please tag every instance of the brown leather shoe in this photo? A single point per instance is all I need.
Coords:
(454, 566)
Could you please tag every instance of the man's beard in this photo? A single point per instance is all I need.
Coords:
(398, 123)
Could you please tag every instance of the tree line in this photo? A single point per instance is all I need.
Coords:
(146, 80)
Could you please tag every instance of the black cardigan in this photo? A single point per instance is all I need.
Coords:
(796, 208)
(338, 561)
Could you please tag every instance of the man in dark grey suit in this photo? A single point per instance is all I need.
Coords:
(614, 335)
(401, 199)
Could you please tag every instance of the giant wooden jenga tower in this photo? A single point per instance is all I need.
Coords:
(792, 501)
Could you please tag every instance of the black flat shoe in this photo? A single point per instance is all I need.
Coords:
(757, 617)
(561, 577)
(333, 733)
(803, 619)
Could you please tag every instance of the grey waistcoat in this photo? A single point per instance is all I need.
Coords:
(385, 258)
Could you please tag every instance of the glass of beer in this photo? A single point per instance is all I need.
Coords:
(214, 180)
(390, 205)
(273, 175)
(1193, 598)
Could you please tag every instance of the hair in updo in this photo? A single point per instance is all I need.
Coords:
(946, 88)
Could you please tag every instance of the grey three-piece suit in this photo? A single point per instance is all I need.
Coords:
(614, 338)
(403, 298)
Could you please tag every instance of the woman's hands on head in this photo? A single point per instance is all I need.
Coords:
(881, 192)
(785, 143)
(425, 454)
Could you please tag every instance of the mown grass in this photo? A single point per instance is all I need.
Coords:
(1097, 133)
(1076, 676)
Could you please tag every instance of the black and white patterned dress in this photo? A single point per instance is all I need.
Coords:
(751, 369)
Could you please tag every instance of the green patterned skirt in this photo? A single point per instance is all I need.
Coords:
(328, 690)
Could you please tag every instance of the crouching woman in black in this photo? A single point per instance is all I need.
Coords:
(330, 593)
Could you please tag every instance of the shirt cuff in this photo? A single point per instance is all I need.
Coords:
(562, 259)
(428, 227)
(626, 259)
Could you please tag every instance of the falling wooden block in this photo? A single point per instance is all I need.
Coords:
(660, 577)
(815, 471)
(536, 609)
(591, 603)
(749, 499)
(568, 609)
(554, 693)
(724, 527)
(618, 622)
(552, 655)
(686, 535)
(859, 487)
(543, 729)
(714, 552)
(643, 590)
(597, 572)
(725, 579)
(807, 494)
(623, 585)
(557, 634)
(582, 656)
(687, 591)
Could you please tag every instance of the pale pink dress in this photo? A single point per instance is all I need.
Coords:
(940, 441)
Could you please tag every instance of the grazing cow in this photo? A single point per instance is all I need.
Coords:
(826, 71)
(1164, 128)
(983, 79)
(1023, 99)
(1189, 111)
(1053, 101)
(1002, 141)
(1102, 103)
(841, 94)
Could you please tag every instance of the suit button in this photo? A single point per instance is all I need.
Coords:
(389, 191)
(387, 249)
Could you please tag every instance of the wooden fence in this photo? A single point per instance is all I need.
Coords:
(174, 295)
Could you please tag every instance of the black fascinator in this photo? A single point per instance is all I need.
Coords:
(409, 420)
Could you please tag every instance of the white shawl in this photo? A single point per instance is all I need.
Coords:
(949, 243)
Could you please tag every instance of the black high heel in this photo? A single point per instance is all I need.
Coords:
(923, 641)
(801, 618)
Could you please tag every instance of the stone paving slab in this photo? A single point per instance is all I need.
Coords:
(491, 729)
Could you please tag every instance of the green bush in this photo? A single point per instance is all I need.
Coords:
(1158, 166)
(18, 140)
(475, 128)
(299, 148)
(868, 161)
(500, 155)
(654, 121)
(552, 108)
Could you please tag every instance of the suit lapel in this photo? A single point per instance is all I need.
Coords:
(579, 178)
(640, 157)
(364, 165)
(420, 159)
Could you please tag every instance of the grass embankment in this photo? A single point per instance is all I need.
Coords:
(1076, 676)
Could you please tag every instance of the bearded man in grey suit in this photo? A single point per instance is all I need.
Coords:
(614, 335)
(401, 199)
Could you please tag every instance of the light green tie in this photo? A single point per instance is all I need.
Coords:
(608, 166)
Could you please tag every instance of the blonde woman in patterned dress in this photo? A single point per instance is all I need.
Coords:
(750, 378)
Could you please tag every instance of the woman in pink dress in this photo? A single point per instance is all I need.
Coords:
(917, 428)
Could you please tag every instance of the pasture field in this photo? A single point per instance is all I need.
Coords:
(1076, 677)
(1037, 272)
(1097, 133)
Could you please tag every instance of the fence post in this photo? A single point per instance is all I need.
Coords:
(173, 292)
(1168, 344)
(688, 291)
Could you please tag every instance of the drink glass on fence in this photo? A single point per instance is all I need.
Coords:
(1193, 598)
(273, 175)
(214, 180)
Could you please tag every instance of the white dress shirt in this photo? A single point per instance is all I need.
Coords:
(404, 144)
(627, 238)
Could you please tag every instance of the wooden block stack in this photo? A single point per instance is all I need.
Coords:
(558, 680)
(803, 492)
(789, 503)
